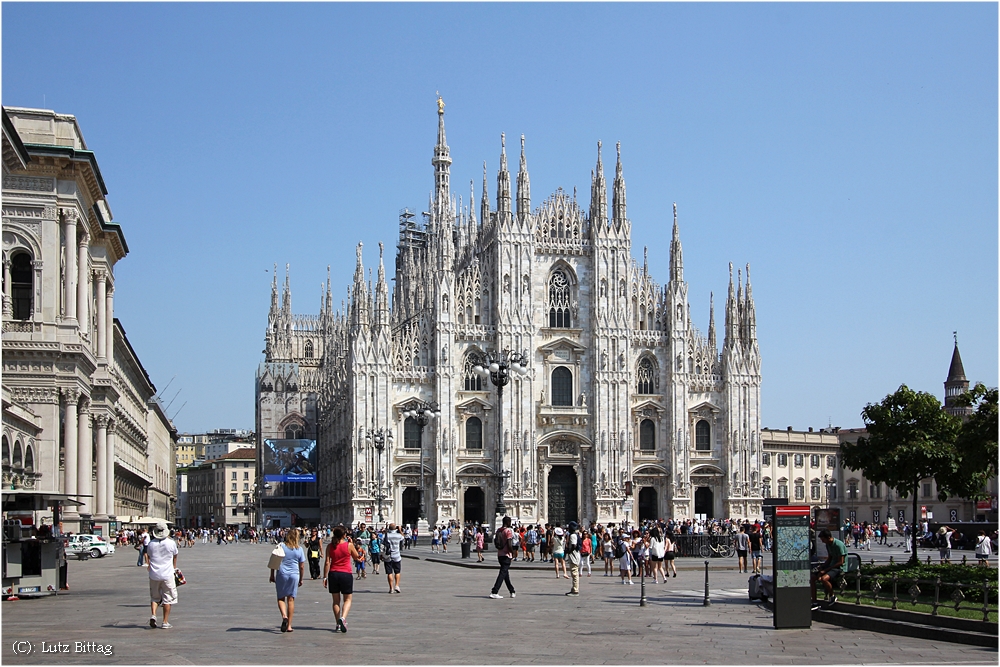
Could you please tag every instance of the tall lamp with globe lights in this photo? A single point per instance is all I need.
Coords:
(498, 367)
(423, 413)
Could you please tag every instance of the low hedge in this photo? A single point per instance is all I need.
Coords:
(950, 574)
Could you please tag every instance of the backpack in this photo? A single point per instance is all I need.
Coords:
(498, 539)
(619, 549)
(515, 540)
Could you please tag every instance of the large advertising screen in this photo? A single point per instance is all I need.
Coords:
(289, 460)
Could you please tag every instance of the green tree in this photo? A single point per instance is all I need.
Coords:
(910, 438)
(975, 447)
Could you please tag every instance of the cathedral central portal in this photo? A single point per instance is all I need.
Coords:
(562, 492)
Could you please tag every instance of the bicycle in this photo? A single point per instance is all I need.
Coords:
(722, 550)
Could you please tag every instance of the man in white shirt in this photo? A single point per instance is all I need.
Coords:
(161, 558)
(392, 558)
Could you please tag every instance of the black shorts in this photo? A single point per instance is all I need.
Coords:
(340, 582)
(530, 548)
(376, 558)
(834, 574)
(668, 556)
(393, 566)
(656, 559)
(741, 553)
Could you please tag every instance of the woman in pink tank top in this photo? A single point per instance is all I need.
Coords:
(337, 575)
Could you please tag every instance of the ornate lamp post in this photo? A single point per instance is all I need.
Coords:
(497, 367)
(422, 413)
(378, 438)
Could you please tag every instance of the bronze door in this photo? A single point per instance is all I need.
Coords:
(562, 496)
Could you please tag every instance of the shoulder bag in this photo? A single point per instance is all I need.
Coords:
(278, 555)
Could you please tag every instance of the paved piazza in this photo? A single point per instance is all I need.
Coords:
(227, 615)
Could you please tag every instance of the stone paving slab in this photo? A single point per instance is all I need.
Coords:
(227, 615)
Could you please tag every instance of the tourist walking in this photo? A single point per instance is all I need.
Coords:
(586, 551)
(608, 553)
(983, 549)
(337, 575)
(393, 560)
(315, 547)
(623, 553)
(742, 547)
(573, 557)
(161, 557)
(559, 552)
(504, 556)
(480, 543)
(755, 545)
(656, 553)
(375, 551)
(288, 577)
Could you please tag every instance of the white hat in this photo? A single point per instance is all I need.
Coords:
(559, 531)
(160, 530)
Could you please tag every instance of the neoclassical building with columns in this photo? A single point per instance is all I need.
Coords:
(623, 392)
(79, 413)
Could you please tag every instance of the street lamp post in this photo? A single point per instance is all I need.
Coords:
(422, 413)
(378, 438)
(497, 366)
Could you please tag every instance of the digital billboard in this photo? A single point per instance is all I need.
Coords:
(289, 460)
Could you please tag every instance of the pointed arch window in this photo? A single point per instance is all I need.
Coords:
(17, 454)
(562, 387)
(6, 451)
(647, 435)
(474, 433)
(309, 349)
(645, 375)
(21, 285)
(29, 460)
(473, 381)
(702, 436)
(559, 300)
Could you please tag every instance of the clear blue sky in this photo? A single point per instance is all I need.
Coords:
(847, 151)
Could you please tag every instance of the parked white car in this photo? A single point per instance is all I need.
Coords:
(96, 545)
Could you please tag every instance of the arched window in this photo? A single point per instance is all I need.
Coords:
(702, 436)
(294, 432)
(645, 376)
(647, 435)
(29, 460)
(17, 454)
(473, 433)
(411, 434)
(562, 386)
(6, 452)
(309, 349)
(21, 285)
(559, 298)
(473, 381)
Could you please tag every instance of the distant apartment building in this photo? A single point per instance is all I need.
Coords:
(218, 492)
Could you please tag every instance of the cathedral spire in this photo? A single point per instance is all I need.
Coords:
(484, 204)
(329, 294)
(711, 323)
(523, 187)
(750, 312)
(599, 193)
(286, 295)
(732, 318)
(618, 201)
(360, 296)
(503, 180)
(274, 292)
(381, 292)
(442, 165)
(676, 254)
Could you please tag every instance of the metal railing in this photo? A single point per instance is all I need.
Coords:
(692, 546)
(948, 594)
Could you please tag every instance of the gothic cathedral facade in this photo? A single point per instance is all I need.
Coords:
(628, 411)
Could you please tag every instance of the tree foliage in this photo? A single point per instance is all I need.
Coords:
(910, 438)
(975, 447)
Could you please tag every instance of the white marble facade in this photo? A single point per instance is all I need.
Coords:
(622, 386)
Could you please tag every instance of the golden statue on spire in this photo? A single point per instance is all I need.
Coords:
(440, 105)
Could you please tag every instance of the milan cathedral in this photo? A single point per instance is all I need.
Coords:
(627, 410)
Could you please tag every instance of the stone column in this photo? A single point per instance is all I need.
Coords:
(85, 459)
(101, 497)
(109, 315)
(102, 313)
(83, 286)
(8, 304)
(109, 470)
(72, 396)
(69, 279)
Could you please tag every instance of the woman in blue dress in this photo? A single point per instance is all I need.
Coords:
(288, 577)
